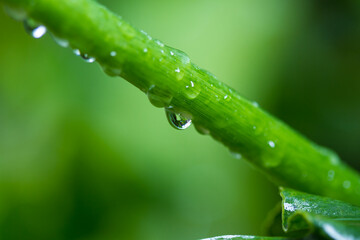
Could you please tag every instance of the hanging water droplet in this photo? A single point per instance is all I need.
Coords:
(112, 72)
(88, 59)
(77, 52)
(158, 97)
(145, 50)
(255, 104)
(113, 53)
(171, 53)
(236, 155)
(61, 42)
(271, 144)
(36, 31)
(177, 120)
(16, 14)
(201, 129)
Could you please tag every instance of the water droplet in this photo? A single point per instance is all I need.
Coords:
(226, 96)
(36, 31)
(179, 74)
(158, 97)
(202, 130)
(128, 31)
(145, 50)
(177, 120)
(162, 51)
(271, 144)
(236, 155)
(255, 104)
(180, 56)
(146, 34)
(112, 72)
(334, 158)
(16, 14)
(61, 42)
(346, 184)
(191, 90)
(77, 52)
(88, 59)
(331, 175)
(113, 53)
(159, 43)
(254, 127)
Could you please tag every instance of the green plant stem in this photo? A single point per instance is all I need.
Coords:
(170, 79)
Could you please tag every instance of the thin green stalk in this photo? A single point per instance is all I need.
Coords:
(171, 80)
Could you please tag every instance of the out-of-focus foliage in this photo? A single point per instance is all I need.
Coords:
(85, 156)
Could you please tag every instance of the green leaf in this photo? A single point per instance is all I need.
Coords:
(304, 213)
(337, 229)
(294, 201)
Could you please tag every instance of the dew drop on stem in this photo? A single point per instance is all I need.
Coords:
(87, 58)
(34, 30)
(112, 72)
(61, 42)
(84, 56)
(77, 52)
(235, 155)
(16, 14)
(271, 144)
(201, 129)
(177, 120)
(179, 74)
(158, 97)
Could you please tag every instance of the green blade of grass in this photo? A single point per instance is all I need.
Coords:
(170, 79)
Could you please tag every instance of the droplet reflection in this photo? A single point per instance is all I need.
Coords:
(176, 120)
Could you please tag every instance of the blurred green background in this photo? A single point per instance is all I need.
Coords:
(86, 156)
